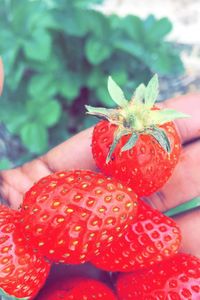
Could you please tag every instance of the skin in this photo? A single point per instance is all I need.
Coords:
(182, 186)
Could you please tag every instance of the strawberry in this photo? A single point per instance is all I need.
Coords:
(69, 215)
(151, 238)
(77, 289)
(22, 272)
(177, 278)
(137, 143)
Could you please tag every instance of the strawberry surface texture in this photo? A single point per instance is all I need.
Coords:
(68, 216)
(146, 167)
(177, 278)
(151, 238)
(22, 272)
(137, 142)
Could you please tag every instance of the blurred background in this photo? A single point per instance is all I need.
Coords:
(58, 54)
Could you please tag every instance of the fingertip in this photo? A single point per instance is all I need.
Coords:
(188, 104)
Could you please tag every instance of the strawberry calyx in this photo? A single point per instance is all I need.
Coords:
(5, 296)
(138, 116)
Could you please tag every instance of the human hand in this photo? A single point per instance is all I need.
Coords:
(182, 186)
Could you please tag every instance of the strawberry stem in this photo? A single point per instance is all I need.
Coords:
(137, 116)
(183, 208)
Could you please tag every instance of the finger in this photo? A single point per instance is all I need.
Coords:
(75, 153)
(184, 183)
(14, 183)
(190, 224)
(1, 76)
(189, 128)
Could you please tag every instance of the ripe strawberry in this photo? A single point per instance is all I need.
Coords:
(69, 215)
(22, 272)
(77, 289)
(177, 278)
(151, 238)
(137, 144)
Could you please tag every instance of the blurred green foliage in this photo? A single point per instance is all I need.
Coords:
(5, 164)
(57, 57)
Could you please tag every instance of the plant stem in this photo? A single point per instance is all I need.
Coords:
(185, 207)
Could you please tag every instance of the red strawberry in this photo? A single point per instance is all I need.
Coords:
(68, 216)
(151, 238)
(177, 278)
(77, 289)
(22, 272)
(137, 144)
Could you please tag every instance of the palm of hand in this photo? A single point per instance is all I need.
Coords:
(182, 186)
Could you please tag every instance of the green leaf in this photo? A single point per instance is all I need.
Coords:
(166, 115)
(49, 113)
(69, 86)
(116, 93)
(5, 298)
(162, 138)
(43, 20)
(49, 38)
(166, 61)
(152, 91)
(5, 164)
(75, 22)
(103, 96)
(133, 25)
(95, 78)
(69, 92)
(149, 22)
(71, 21)
(87, 3)
(14, 81)
(38, 47)
(16, 121)
(99, 111)
(159, 30)
(99, 25)
(42, 86)
(136, 50)
(131, 142)
(117, 136)
(46, 112)
(9, 58)
(120, 76)
(35, 137)
(15, 117)
(139, 94)
(97, 51)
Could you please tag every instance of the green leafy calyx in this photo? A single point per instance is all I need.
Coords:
(138, 116)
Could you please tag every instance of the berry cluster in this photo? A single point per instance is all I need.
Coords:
(79, 216)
